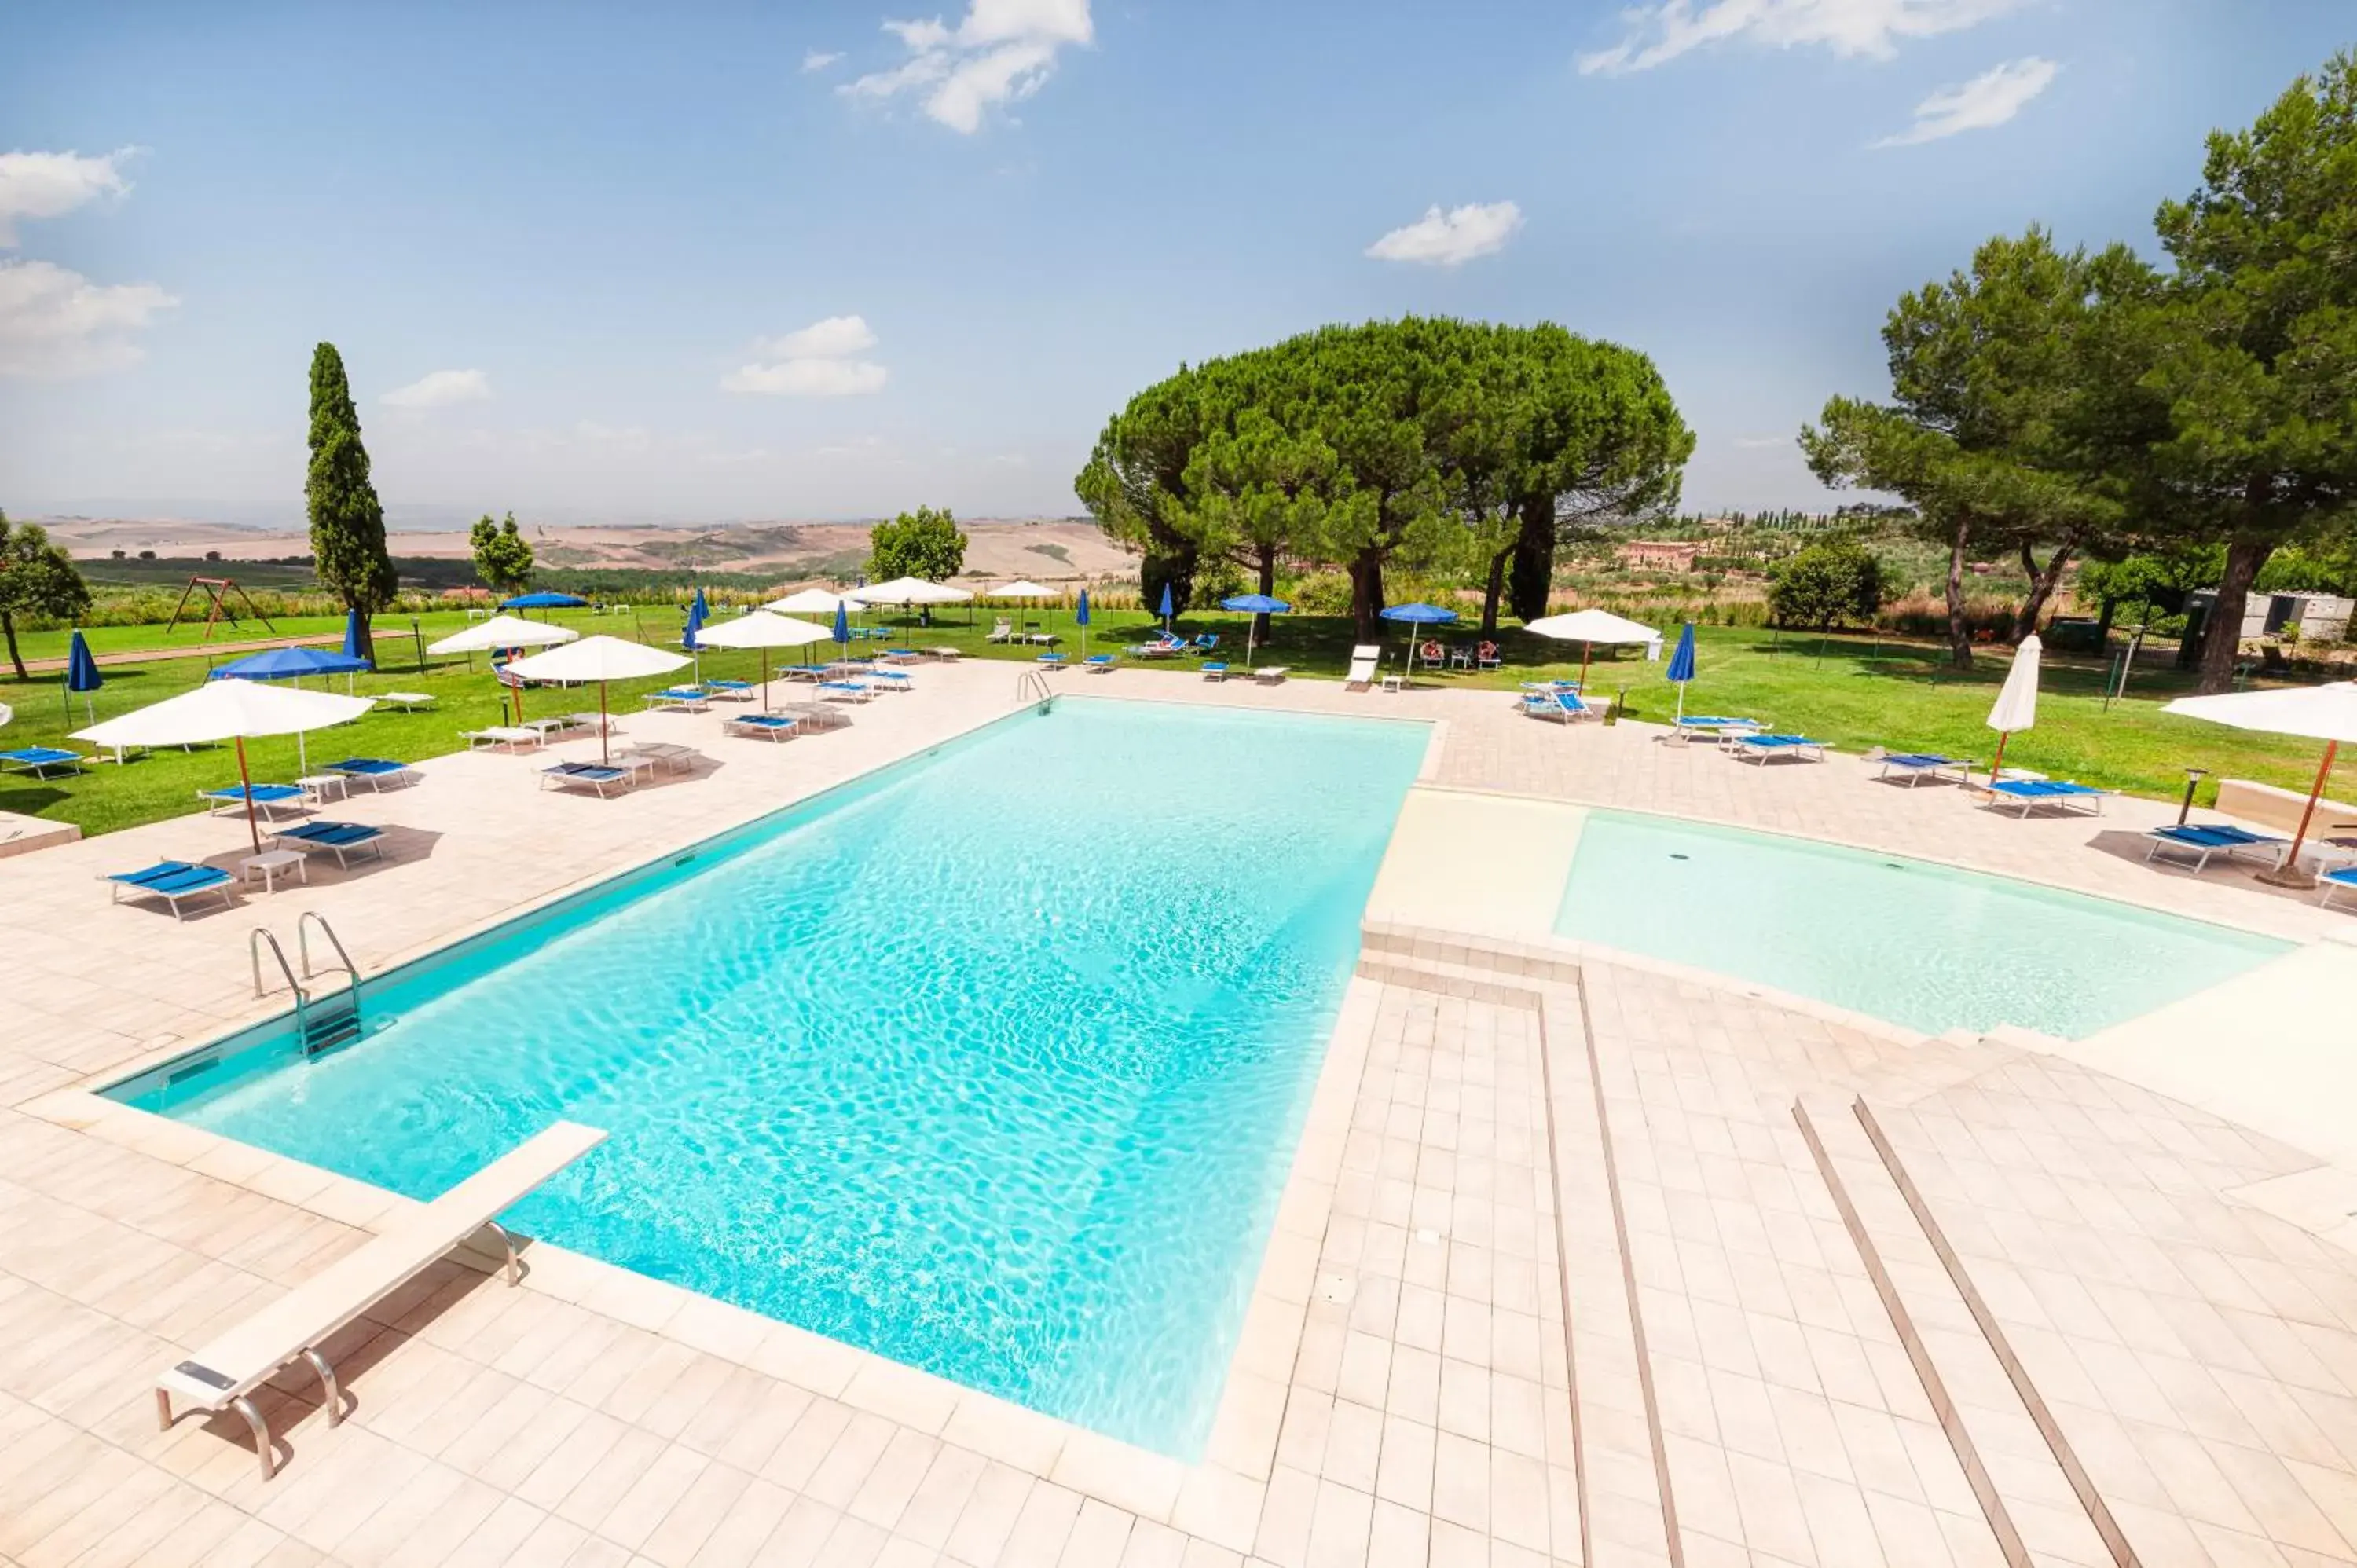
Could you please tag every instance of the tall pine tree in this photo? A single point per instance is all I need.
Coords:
(347, 520)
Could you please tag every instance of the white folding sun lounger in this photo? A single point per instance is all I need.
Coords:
(225, 1374)
(1362, 666)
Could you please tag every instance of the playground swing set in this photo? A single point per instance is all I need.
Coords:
(217, 591)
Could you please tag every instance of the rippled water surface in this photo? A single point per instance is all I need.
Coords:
(1918, 944)
(993, 1064)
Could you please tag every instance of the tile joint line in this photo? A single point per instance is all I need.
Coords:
(1675, 1541)
(1935, 1389)
(2099, 1512)
(1562, 1278)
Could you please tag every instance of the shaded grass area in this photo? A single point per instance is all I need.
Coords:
(1850, 692)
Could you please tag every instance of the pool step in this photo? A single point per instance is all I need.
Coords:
(2033, 1495)
(332, 1021)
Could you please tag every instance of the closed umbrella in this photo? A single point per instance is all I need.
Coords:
(352, 630)
(1682, 665)
(843, 628)
(2326, 713)
(1081, 614)
(688, 637)
(2017, 701)
(82, 675)
(600, 659)
(1590, 627)
(1259, 606)
(1417, 614)
(508, 632)
(1165, 611)
(763, 631)
(229, 710)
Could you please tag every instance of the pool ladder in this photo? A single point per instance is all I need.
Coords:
(321, 1023)
(1032, 686)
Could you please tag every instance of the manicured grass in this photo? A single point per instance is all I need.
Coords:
(1857, 692)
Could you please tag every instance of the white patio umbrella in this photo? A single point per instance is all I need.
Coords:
(2327, 713)
(7, 713)
(1021, 590)
(815, 602)
(2017, 701)
(764, 631)
(1589, 628)
(600, 659)
(905, 591)
(230, 710)
(504, 631)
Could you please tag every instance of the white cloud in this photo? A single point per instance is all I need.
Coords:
(54, 322)
(1762, 443)
(1449, 238)
(1661, 32)
(1002, 51)
(50, 184)
(440, 389)
(829, 339)
(1989, 99)
(815, 361)
(819, 59)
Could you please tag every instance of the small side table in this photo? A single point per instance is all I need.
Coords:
(271, 862)
(317, 785)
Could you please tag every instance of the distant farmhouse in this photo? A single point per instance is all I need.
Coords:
(1674, 556)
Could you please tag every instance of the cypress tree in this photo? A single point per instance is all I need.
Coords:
(347, 520)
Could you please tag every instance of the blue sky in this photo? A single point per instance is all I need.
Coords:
(634, 262)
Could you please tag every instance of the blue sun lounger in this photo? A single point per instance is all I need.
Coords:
(890, 680)
(1915, 767)
(2202, 840)
(1098, 663)
(1563, 706)
(2336, 881)
(733, 690)
(681, 699)
(770, 726)
(172, 880)
(1765, 748)
(588, 775)
(341, 837)
(38, 760)
(1052, 660)
(845, 691)
(2028, 794)
(267, 798)
(1215, 670)
(377, 771)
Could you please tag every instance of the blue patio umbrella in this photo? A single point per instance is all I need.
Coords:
(352, 629)
(82, 675)
(1259, 606)
(544, 601)
(1418, 615)
(696, 615)
(1081, 618)
(841, 625)
(290, 664)
(1682, 665)
(1165, 611)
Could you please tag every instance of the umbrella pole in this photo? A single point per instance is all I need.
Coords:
(605, 747)
(1682, 700)
(2287, 873)
(1997, 767)
(765, 680)
(252, 828)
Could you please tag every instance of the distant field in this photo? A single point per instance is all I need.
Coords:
(1853, 693)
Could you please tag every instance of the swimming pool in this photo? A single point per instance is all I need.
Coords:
(1906, 940)
(993, 1062)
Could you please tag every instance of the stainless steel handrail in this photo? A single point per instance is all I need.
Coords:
(1032, 686)
(302, 998)
(303, 945)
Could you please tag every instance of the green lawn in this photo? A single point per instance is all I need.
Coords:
(1856, 693)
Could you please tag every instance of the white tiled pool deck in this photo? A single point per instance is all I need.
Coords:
(1558, 1277)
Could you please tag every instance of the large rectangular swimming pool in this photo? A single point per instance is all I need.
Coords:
(1906, 940)
(993, 1062)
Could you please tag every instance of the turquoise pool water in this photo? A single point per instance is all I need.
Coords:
(1902, 939)
(992, 1063)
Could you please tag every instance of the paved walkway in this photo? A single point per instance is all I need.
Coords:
(1557, 1278)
